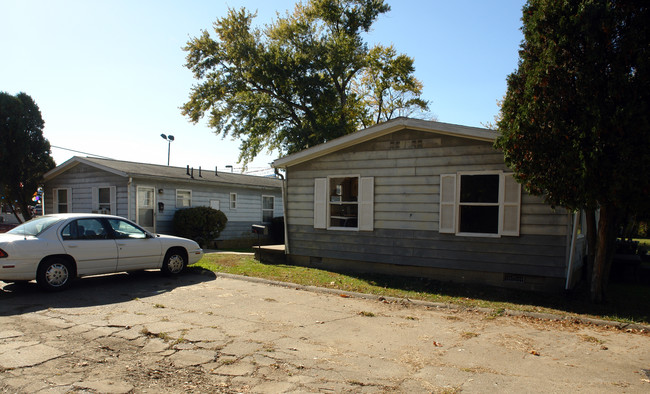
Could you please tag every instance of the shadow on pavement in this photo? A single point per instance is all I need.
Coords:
(16, 299)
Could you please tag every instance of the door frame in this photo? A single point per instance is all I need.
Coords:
(153, 207)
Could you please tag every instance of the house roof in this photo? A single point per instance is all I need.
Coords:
(155, 171)
(380, 130)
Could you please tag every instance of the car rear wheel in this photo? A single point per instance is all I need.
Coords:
(174, 263)
(55, 274)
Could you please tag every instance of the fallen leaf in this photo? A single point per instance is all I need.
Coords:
(534, 352)
(344, 295)
(437, 344)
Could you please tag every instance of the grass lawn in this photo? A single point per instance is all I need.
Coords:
(626, 302)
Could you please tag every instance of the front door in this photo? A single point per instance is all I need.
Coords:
(145, 208)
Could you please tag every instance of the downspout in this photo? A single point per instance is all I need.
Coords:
(284, 209)
(128, 199)
(574, 236)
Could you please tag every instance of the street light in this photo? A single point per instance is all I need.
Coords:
(169, 139)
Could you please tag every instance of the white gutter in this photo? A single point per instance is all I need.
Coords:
(284, 210)
(574, 236)
(128, 199)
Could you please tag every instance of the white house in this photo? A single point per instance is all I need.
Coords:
(149, 194)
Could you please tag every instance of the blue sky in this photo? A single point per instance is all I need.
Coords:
(109, 78)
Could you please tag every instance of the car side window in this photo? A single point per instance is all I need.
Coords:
(84, 229)
(124, 230)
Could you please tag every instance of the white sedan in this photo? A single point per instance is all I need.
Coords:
(54, 249)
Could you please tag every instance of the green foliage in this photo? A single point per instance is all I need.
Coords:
(202, 224)
(24, 152)
(575, 122)
(627, 302)
(289, 85)
(388, 88)
(576, 117)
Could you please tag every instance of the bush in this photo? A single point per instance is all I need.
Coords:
(202, 224)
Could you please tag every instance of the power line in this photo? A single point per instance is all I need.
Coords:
(78, 151)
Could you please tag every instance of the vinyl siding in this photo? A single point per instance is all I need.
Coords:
(406, 210)
(82, 178)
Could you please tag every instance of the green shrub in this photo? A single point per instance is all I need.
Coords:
(202, 224)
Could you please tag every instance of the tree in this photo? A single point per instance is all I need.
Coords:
(575, 124)
(288, 86)
(24, 152)
(388, 88)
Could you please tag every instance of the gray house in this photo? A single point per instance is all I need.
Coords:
(150, 194)
(427, 199)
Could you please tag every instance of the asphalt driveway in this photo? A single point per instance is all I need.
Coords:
(202, 333)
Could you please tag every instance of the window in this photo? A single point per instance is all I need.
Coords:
(84, 229)
(233, 200)
(478, 210)
(104, 200)
(344, 203)
(482, 204)
(214, 204)
(268, 206)
(124, 230)
(183, 198)
(62, 200)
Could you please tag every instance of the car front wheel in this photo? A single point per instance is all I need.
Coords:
(54, 274)
(174, 263)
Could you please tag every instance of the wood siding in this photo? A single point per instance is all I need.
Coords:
(406, 167)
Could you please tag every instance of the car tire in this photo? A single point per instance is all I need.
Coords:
(174, 263)
(55, 274)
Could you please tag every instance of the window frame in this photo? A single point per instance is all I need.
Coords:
(365, 203)
(112, 204)
(233, 201)
(330, 203)
(189, 199)
(504, 206)
(460, 204)
(272, 210)
(55, 199)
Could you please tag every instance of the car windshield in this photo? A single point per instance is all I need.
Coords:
(35, 226)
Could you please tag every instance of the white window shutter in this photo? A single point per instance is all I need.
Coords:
(113, 200)
(511, 206)
(447, 215)
(95, 199)
(320, 203)
(366, 204)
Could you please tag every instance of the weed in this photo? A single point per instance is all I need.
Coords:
(159, 306)
(366, 314)
(626, 302)
(590, 339)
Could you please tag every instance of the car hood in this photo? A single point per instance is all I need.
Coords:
(174, 238)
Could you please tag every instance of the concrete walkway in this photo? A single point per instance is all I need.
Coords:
(203, 333)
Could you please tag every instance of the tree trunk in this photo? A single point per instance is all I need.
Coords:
(592, 241)
(604, 254)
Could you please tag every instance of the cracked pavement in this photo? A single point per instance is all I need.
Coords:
(137, 333)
